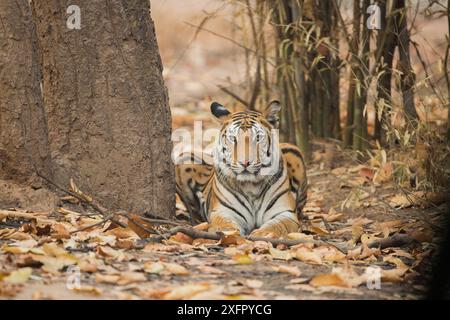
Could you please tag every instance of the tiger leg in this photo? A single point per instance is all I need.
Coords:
(223, 222)
(281, 225)
(297, 175)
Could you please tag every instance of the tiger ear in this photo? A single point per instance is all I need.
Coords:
(272, 111)
(219, 111)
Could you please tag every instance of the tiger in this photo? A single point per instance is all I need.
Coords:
(251, 183)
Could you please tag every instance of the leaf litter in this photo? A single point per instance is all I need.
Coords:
(113, 262)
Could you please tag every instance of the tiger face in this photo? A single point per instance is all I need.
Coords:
(247, 146)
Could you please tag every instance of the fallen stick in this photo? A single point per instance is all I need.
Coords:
(83, 198)
(397, 240)
(196, 234)
(191, 232)
(89, 226)
(138, 224)
(65, 211)
(78, 194)
(161, 221)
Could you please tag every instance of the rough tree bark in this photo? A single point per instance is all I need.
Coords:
(384, 60)
(23, 130)
(360, 95)
(23, 133)
(107, 107)
(355, 87)
(408, 77)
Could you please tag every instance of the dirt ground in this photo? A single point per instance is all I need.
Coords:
(42, 259)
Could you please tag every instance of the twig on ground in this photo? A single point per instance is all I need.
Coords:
(397, 240)
(83, 198)
(138, 224)
(78, 194)
(162, 221)
(90, 226)
(189, 231)
(196, 234)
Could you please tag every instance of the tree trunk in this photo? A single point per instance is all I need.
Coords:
(408, 78)
(23, 130)
(360, 119)
(447, 78)
(335, 76)
(355, 86)
(324, 17)
(385, 56)
(107, 107)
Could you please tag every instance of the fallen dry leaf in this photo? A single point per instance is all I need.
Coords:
(15, 250)
(292, 270)
(9, 290)
(54, 250)
(334, 217)
(241, 258)
(396, 274)
(307, 255)
(210, 270)
(88, 264)
(89, 290)
(388, 227)
(108, 252)
(280, 254)
(20, 247)
(330, 254)
(318, 228)
(187, 291)
(253, 283)
(181, 238)
(106, 278)
(330, 279)
(231, 238)
(367, 173)
(345, 277)
(59, 231)
(128, 277)
(339, 171)
(135, 223)
(18, 276)
(18, 235)
(418, 198)
(122, 233)
(165, 268)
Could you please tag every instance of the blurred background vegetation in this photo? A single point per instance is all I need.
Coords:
(375, 95)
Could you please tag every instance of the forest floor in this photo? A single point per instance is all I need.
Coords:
(45, 255)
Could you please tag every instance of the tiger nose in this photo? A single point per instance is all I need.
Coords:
(245, 163)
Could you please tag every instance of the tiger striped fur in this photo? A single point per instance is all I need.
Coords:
(251, 183)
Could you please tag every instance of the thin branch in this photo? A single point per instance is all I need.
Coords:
(234, 95)
(397, 240)
(90, 226)
(231, 40)
(92, 203)
(196, 234)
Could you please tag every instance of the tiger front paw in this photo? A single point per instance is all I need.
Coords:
(264, 233)
(219, 223)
